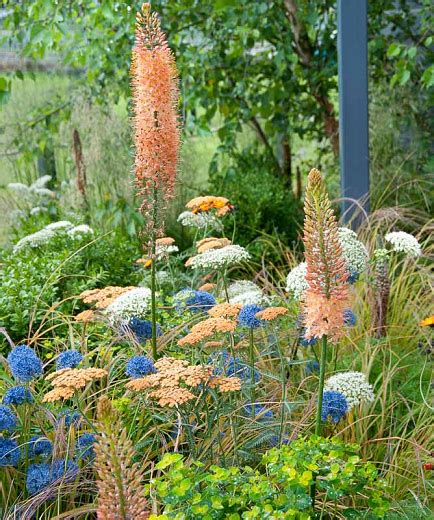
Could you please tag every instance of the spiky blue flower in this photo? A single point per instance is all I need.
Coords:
(63, 469)
(334, 405)
(84, 446)
(8, 420)
(38, 477)
(40, 446)
(261, 412)
(141, 329)
(17, 395)
(69, 359)
(274, 441)
(311, 367)
(230, 366)
(304, 342)
(349, 318)
(10, 452)
(24, 363)
(70, 418)
(247, 318)
(352, 277)
(195, 301)
(139, 366)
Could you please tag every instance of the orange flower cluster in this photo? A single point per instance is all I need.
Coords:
(155, 104)
(199, 204)
(212, 243)
(205, 329)
(67, 380)
(146, 262)
(102, 298)
(168, 385)
(213, 344)
(225, 310)
(326, 298)
(85, 316)
(165, 241)
(271, 313)
(206, 287)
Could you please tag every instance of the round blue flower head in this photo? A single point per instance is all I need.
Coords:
(334, 405)
(311, 367)
(139, 366)
(8, 420)
(349, 318)
(247, 317)
(10, 452)
(69, 359)
(24, 363)
(233, 367)
(63, 469)
(352, 277)
(142, 329)
(71, 418)
(40, 446)
(261, 411)
(17, 395)
(38, 478)
(194, 301)
(85, 444)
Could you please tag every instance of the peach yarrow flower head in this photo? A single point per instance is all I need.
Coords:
(326, 297)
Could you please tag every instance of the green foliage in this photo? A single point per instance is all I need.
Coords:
(281, 489)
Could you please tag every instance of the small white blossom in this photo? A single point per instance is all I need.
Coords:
(402, 242)
(60, 225)
(37, 210)
(162, 250)
(41, 182)
(134, 303)
(296, 280)
(353, 385)
(199, 220)
(354, 251)
(35, 239)
(44, 192)
(245, 292)
(220, 258)
(79, 231)
(20, 188)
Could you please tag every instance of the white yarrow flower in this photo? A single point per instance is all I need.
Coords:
(245, 292)
(134, 303)
(402, 242)
(60, 225)
(35, 239)
(296, 282)
(353, 385)
(199, 220)
(220, 258)
(354, 251)
(161, 250)
(41, 182)
(80, 231)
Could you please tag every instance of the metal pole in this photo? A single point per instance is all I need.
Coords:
(353, 105)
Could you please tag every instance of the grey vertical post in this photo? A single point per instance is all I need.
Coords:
(353, 103)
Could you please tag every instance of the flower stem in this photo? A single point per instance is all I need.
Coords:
(252, 371)
(154, 275)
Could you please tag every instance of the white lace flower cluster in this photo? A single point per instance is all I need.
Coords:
(219, 258)
(55, 229)
(163, 250)
(402, 242)
(133, 303)
(354, 251)
(37, 193)
(245, 292)
(296, 282)
(199, 220)
(353, 385)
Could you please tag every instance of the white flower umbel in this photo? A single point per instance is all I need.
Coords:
(80, 231)
(135, 302)
(41, 182)
(353, 385)
(296, 282)
(37, 210)
(35, 239)
(19, 188)
(60, 225)
(354, 251)
(245, 292)
(199, 220)
(402, 242)
(220, 258)
(163, 250)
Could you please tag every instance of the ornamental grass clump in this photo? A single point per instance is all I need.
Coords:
(154, 80)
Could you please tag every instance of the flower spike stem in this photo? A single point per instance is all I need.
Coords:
(252, 371)
(153, 279)
(318, 428)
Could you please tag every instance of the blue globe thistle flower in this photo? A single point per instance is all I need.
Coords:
(62, 468)
(311, 367)
(261, 411)
(17, 395)
(139, 366)
(10, 452)
(24, 363)
(247, 317)
(40, 446)
(85, 444)
(8, 420)
(141, 329)
(69, 359)
(334, 405)
(304, 342)
(70, 418)
(233, 367)
(38, 477)
(352, 277)
(273, 441)
(194, 301)
(349, 318)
